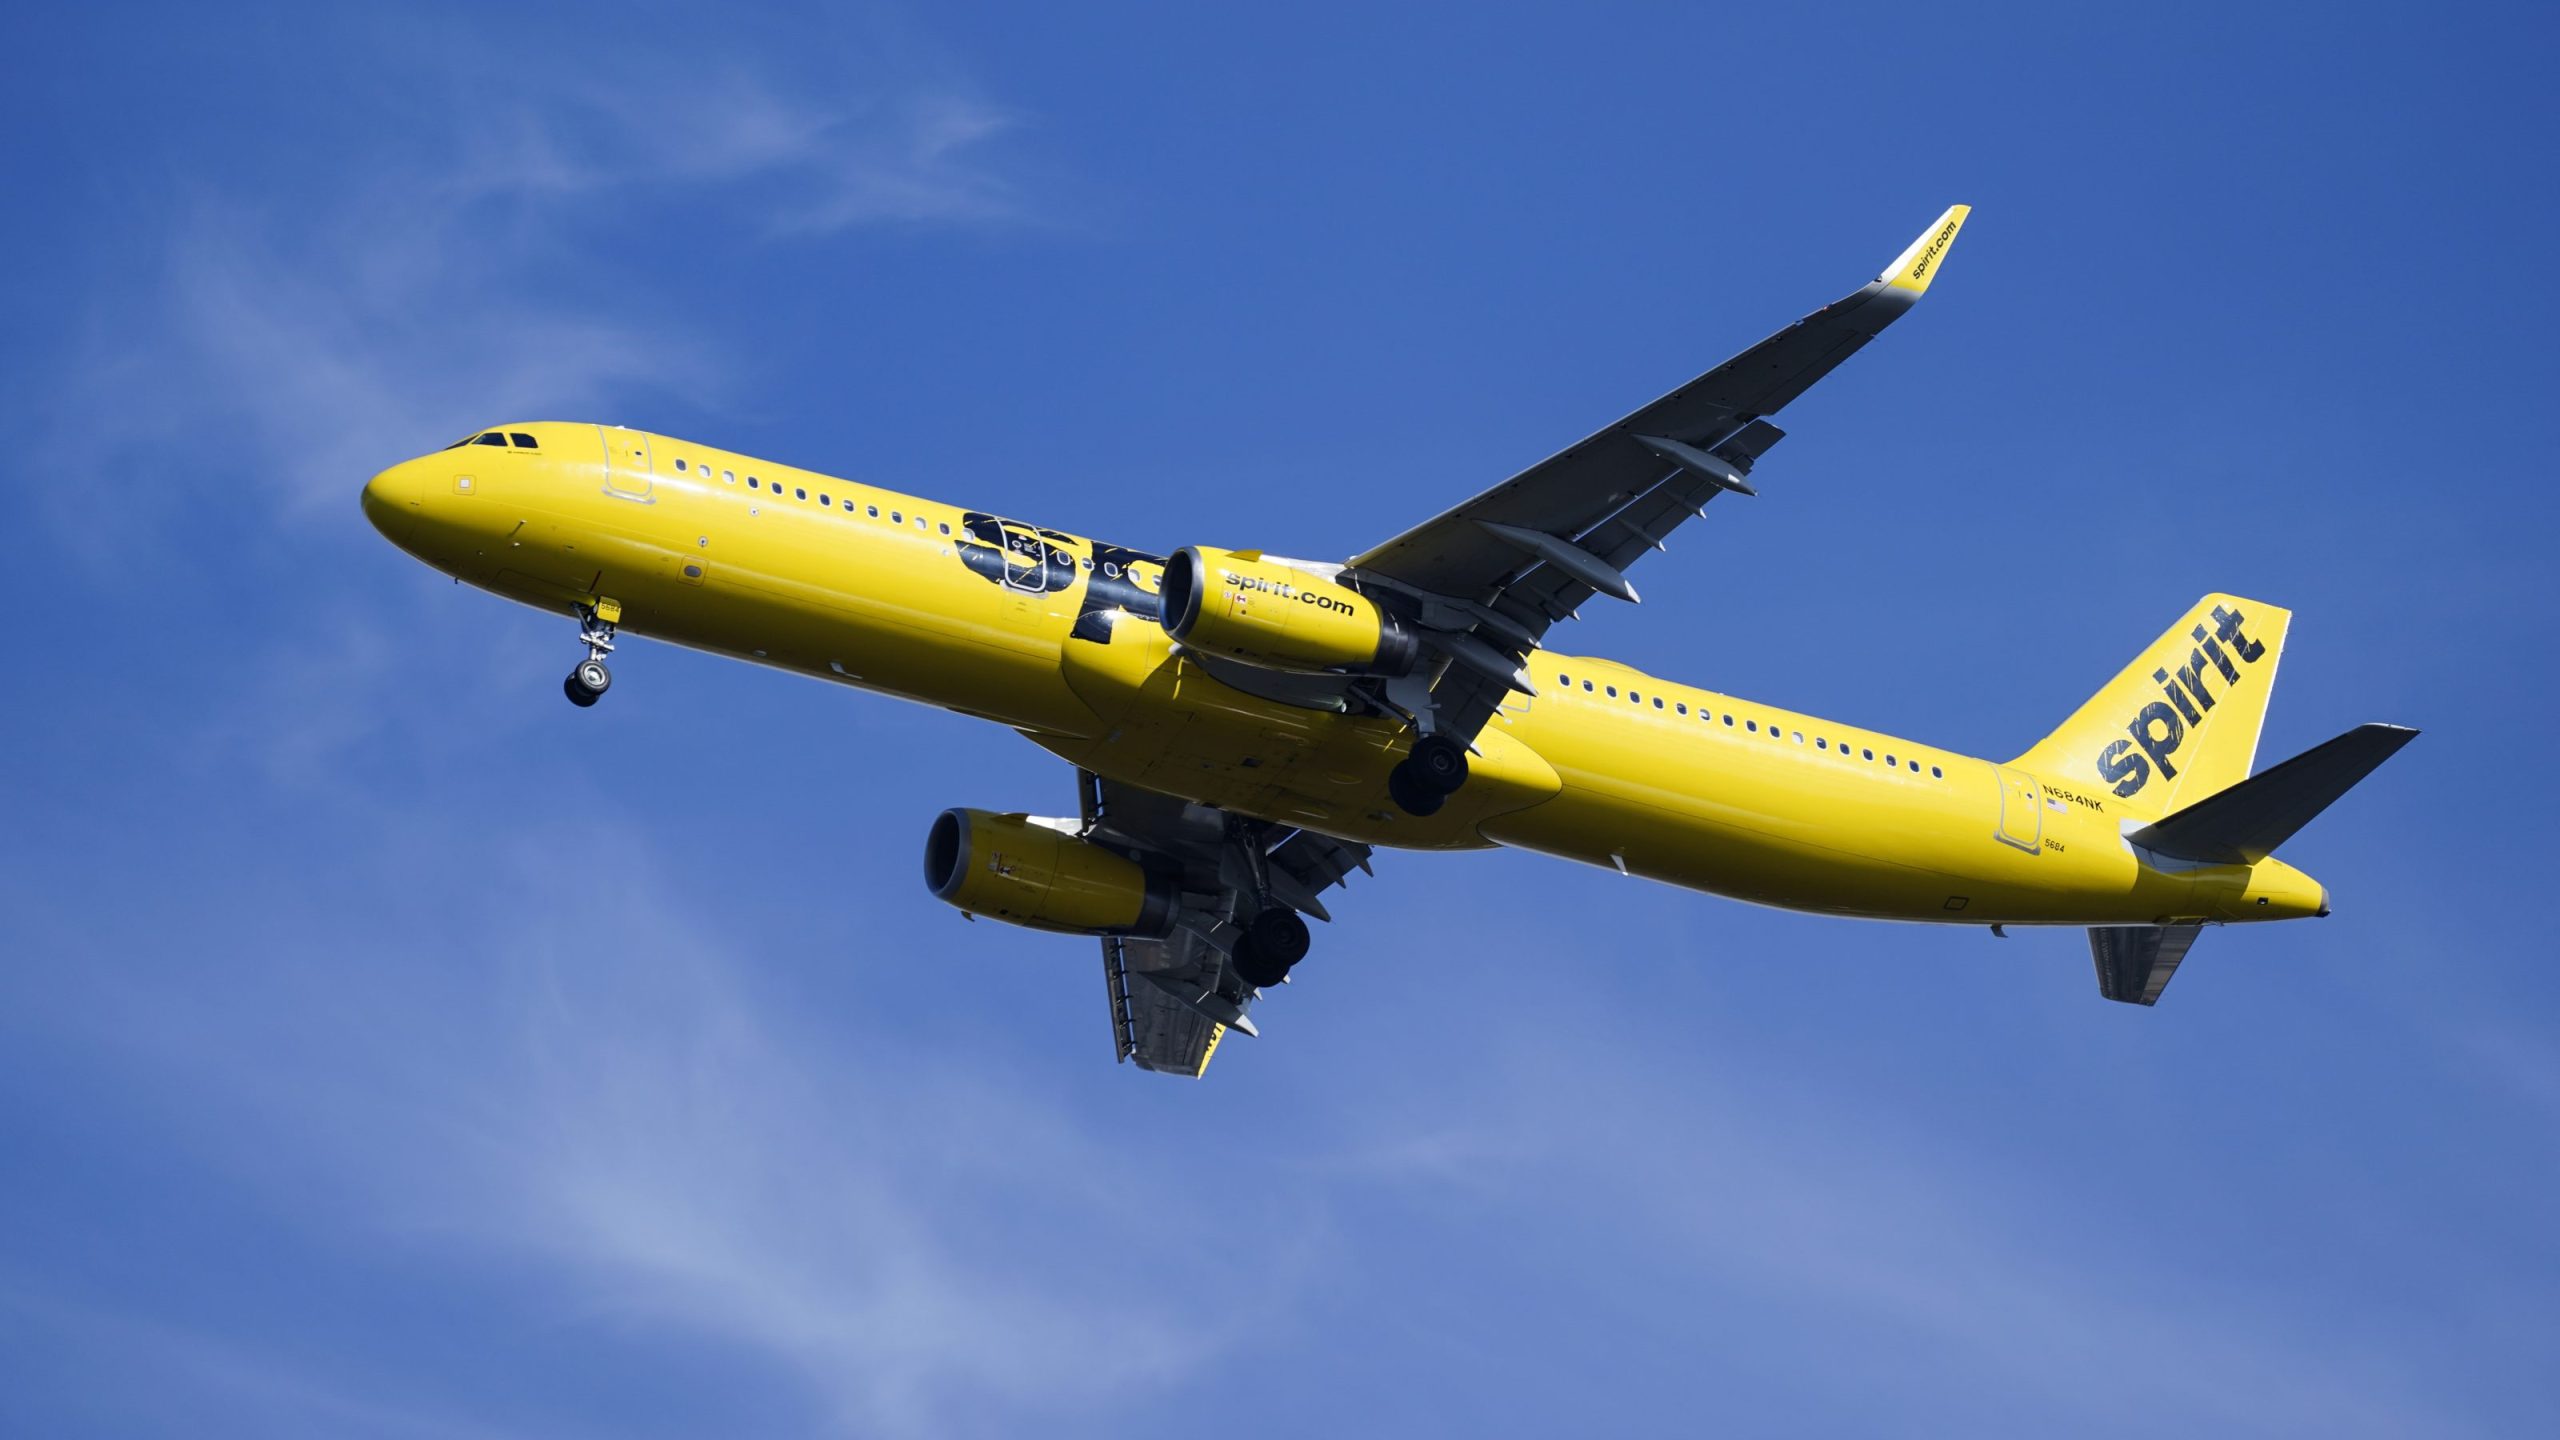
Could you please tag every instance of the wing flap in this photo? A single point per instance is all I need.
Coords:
(1155, 1029)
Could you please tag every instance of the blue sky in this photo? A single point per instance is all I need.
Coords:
(388, 1049)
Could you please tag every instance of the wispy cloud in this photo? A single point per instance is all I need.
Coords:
(293, 340)
(1798, 1203)
(607, 1102)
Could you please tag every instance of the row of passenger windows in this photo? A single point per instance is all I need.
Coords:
(518, 438)
(1752, 726)
(801, 492)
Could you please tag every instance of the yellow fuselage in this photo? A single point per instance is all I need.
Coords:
(1055, 636)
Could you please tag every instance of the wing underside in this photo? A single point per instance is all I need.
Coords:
(1174, 998)
(1507, 565)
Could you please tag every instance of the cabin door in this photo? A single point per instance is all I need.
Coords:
(2021, 810)
(626, 463)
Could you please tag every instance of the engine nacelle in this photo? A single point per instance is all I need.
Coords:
(1236, 604)
(1020, 869)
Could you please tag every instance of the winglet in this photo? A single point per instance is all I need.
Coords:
(1918, 265)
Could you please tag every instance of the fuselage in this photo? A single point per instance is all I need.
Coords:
(1057, 636)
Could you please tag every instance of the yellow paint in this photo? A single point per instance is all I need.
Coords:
(1917, 266)
(1607, 765)
(1264, 612)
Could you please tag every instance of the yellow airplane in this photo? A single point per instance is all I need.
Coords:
(1248, 728)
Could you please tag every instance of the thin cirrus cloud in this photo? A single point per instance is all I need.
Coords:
(384, 308)
(604, 1099)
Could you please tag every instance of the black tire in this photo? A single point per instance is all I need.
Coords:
(1279, 933)
(578, 695)
(1257, 969)
(1411, 795)
(592, 677)
(1439, 762)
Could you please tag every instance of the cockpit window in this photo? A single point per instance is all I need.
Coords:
(522, 440)
(492, 438)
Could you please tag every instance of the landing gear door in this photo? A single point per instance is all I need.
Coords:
(627, 472)
(2021, 810)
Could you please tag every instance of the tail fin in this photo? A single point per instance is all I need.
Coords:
(2181, 722)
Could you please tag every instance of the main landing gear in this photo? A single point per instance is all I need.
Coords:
(587, 684)
(1275, 939)
(1423, 780)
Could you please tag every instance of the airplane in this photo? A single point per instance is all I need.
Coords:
(1248, 729)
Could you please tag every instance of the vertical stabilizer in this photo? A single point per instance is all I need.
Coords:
(2181, 722)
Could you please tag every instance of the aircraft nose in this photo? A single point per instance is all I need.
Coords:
(391, 502)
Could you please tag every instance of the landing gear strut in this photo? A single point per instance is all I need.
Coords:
(1275, 939)
(1426, 778)
(587, 684)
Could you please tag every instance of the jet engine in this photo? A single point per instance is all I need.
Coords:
(1040, 873)
(1239, 605)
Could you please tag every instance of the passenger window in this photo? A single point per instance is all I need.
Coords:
(1586, 685)
(1821, 744)
(897, 519)
(679, 466)
(946, 527)
(1866, 754)
(732, 477)
(1564, 679)
(1633, 696)
(1657, 702)
(823, 500)
(522, 440)
(1682, 707)
(848, 507)
(1798, 734)
(1915, 767)
(1613, 692)
(872, 510)
(1728, 720)
(1888, 762)
(800, 492)
(492, 438)
(1937, 774)
(1751, 725)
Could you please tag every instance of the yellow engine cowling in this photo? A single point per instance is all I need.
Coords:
(1018, 869)
(1236, 604)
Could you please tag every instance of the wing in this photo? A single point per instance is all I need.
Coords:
(1173, 999)
(1502, 568)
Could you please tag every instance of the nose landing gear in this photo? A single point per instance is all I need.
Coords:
(587, 684)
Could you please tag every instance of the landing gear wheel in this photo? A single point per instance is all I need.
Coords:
(1280, 934)
(1410, 794)
(1274, 940)
(1439, 762)
(1257, 969)
(587, 684)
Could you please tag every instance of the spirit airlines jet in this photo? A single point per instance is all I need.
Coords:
(1247, 729)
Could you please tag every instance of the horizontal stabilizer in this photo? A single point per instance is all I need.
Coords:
(2245, 823)
(2136, 961)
